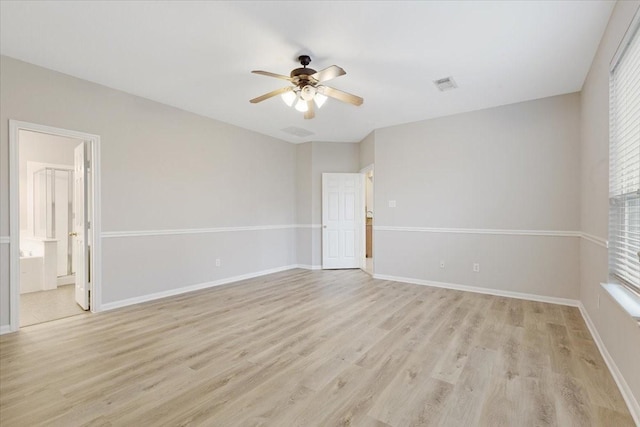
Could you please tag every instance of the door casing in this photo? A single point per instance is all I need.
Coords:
(364, 171)
(15, 126)
(80, 229)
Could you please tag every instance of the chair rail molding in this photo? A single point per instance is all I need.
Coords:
(168, 232)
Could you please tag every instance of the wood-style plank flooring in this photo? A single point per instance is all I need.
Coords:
(321, 348)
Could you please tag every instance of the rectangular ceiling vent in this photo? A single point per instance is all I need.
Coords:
(445, 84)
(297, 131)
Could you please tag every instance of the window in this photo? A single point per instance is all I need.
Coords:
(624, 167)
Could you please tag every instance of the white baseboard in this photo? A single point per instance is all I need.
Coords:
(625, 390)
(478, 290)
(309, 267)
(5, 329)
(66, 280)
(191, 288)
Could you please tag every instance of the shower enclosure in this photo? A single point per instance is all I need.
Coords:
(53, 213)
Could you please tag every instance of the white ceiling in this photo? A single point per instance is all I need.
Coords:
(198, 55)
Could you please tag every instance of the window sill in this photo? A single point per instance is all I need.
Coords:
(628, 300)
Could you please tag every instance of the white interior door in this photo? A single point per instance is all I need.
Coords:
(342, 217)
(80, 247)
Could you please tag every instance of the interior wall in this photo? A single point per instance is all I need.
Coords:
(456, 180)
(164, 171)
(305, 231)
(618, 331)
(4, 284)
(367, 150)
(328, 157)
(314, 159)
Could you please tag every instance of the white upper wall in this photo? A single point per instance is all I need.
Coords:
(510, 167)
(367, 150)
(330, 157)
(304, 172)
(162, 168)
(595, 125)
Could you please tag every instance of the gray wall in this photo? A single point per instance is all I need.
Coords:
(305, 233)
(367, 150)
(162, 169)
(312, 160)
(329, 157)
(508, 168)
(619, 332)
(4, 284)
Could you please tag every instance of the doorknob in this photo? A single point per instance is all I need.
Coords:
(73, 234)
(324, 226)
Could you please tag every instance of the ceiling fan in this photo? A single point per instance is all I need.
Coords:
(307, 88)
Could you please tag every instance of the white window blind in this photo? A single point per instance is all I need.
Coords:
(624, 167)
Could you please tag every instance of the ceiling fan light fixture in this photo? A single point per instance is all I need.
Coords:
(307, 88)
(320, 99)
(301, 105)
(289, 97)
(308, 92)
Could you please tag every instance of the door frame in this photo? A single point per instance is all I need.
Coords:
(363, 262)
(95, 261)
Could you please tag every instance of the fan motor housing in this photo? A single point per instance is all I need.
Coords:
(299, 72)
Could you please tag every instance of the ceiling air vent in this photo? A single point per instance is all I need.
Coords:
(297, 131)
(445, 84)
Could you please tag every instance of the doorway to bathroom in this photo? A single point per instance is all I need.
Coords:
(53, 233)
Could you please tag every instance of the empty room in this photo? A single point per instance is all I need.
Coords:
(320, 213)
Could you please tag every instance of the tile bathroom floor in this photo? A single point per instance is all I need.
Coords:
(44, 306)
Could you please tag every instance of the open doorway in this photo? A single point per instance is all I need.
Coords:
(53, 228)
(367, 262)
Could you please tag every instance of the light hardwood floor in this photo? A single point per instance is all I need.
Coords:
(322, 348)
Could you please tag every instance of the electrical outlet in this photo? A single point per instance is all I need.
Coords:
(218, 262)
(392, 203)
(476, 267)
(441, 264)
